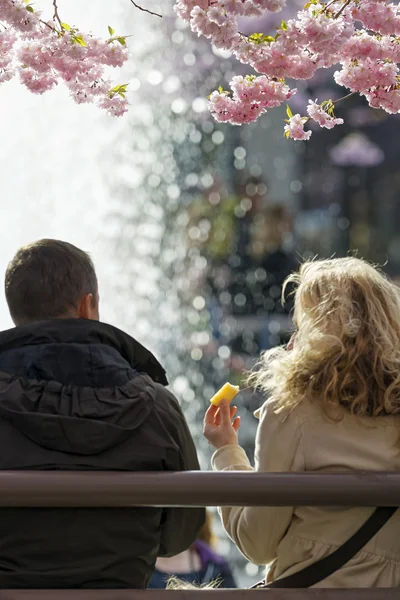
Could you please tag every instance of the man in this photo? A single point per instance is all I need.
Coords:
(77, 394)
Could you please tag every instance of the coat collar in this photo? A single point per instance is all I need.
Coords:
(85, 331)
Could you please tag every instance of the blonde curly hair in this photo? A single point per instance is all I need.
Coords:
(346, 349)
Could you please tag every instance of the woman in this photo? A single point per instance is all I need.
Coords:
(199, 565)
(334, 401)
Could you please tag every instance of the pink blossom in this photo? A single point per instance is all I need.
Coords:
(320, 31)
(389, 101)
(217, 15)
(43, 54)
(357, 36)
(360, 76)
(116, 106)
(235, 111)
(7, 40)
(361, 38)
(6, 74)
(183, 8)
(270, 5)
(379, 16)
(268, 92)
(363, 45)
(38, 84)
(295, 128)
(214, 24)
(251, 96)
(115, 55)
(245, 8)
(318, 114)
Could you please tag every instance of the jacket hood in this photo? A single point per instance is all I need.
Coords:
(83, 331)
(70, 418)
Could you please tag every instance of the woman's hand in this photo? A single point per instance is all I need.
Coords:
(219, 429)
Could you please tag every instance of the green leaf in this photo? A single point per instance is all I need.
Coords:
(288, 111)
(287, 134)
(118, 89)
(30, 8)
(66, 26)
(111, 30)
(79, 40)
(122, 40)
(256, 38)
(260, 38)
(284, 26)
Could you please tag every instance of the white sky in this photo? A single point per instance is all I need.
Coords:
(51, 157)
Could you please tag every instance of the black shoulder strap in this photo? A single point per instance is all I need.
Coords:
(333, 562)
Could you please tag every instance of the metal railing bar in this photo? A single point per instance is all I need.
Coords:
(235, 488)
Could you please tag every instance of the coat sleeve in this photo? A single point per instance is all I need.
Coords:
(257, 531)
(180, 526)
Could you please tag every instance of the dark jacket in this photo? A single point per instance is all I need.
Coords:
(83, 395)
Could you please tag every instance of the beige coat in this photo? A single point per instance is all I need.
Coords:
(295, 537)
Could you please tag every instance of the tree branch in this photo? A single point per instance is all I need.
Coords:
(142, 9)
(343, 98)
(345, 5)
(56, 16)
(328, 5)
(53, 29)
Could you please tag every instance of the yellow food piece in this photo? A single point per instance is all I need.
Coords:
(227, 392)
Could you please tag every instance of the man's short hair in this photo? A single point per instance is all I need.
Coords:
(47, 279)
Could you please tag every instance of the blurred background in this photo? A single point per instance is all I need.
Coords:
(193, 225)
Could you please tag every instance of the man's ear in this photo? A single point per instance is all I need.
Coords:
(88, 308)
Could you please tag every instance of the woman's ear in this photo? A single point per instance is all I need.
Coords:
(290, 345)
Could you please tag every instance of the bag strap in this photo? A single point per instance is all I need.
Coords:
(335, 561)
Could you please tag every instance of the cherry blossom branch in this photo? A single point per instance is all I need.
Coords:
(53, 29)
(56, 16)
(343, 98)
(145, 10)
(328, 5)
(359, 39)
(322, 114)
(345, 5)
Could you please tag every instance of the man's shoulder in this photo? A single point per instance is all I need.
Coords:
(165, 403)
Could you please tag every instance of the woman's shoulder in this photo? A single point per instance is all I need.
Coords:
(344, 440)
(302, 412)
(312, 413)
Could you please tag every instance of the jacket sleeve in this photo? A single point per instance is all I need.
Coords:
(257, 531)
(180, 526)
